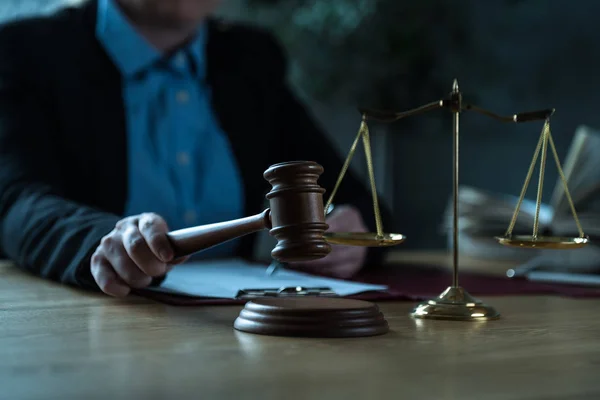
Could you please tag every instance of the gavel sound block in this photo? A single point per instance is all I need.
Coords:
(296, 218)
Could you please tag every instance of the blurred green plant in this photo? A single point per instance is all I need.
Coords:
(378, 53)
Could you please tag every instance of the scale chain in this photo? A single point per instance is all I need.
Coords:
(369, 157)
(564, 182)
(525, 186)
(363, 132)
(345, 167)
(545, 139)
(538, 202)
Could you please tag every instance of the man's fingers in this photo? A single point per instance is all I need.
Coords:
(125, 222)
(106, 278)
(135, 251)
(140, 253)
(179, 260)
(124, 266)
(154, 229)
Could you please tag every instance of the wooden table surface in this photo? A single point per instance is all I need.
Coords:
(58, 343)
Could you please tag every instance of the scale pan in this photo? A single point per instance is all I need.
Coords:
(366, 239)
(543, 242)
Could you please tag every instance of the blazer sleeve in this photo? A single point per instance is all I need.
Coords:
(41, 230)
(301, 138)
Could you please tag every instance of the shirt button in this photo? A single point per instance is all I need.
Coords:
(183, 158)
(183, 96)
(190, 217)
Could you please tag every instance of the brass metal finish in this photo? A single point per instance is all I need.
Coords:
(456, 104)
(366, 239)
(455, 302)
(543, 242)
(535, 241)
(369, 239)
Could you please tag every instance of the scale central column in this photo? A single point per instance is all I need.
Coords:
(456, 105)
(455, 303)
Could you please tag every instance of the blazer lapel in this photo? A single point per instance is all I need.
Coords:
(235, 99)
(239, 109)
(103, 110)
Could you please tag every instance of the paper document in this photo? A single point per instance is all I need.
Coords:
(226, 278)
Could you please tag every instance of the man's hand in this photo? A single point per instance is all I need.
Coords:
(343, 261)
(134, 252)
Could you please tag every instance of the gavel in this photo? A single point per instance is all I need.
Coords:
(295, 217)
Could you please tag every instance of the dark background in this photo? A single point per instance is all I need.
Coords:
(508, 56)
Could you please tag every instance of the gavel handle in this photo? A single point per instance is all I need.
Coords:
(192, 240)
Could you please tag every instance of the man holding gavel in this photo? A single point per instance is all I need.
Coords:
(123, 119)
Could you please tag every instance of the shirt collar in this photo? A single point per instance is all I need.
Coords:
(132, 53)
(191, 59)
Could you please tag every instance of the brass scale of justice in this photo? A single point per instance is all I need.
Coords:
(455, 302)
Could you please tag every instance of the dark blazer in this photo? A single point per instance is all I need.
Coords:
(63, 155)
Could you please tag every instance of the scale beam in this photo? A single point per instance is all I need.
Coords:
(392, 116)
(539, 115)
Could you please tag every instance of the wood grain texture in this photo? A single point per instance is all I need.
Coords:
(58, 343)
(316, 317)
(296, 218)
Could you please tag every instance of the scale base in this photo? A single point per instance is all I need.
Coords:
(455, 304)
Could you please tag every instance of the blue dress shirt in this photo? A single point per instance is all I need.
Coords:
(180, 163)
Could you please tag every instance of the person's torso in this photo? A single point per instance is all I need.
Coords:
(180, 162)
(192, 149)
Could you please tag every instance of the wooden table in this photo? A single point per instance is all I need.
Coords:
(57, 343)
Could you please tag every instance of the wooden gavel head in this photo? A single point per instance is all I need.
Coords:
(297, 212)
(296, 218)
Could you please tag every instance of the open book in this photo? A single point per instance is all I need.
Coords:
(484, 215)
